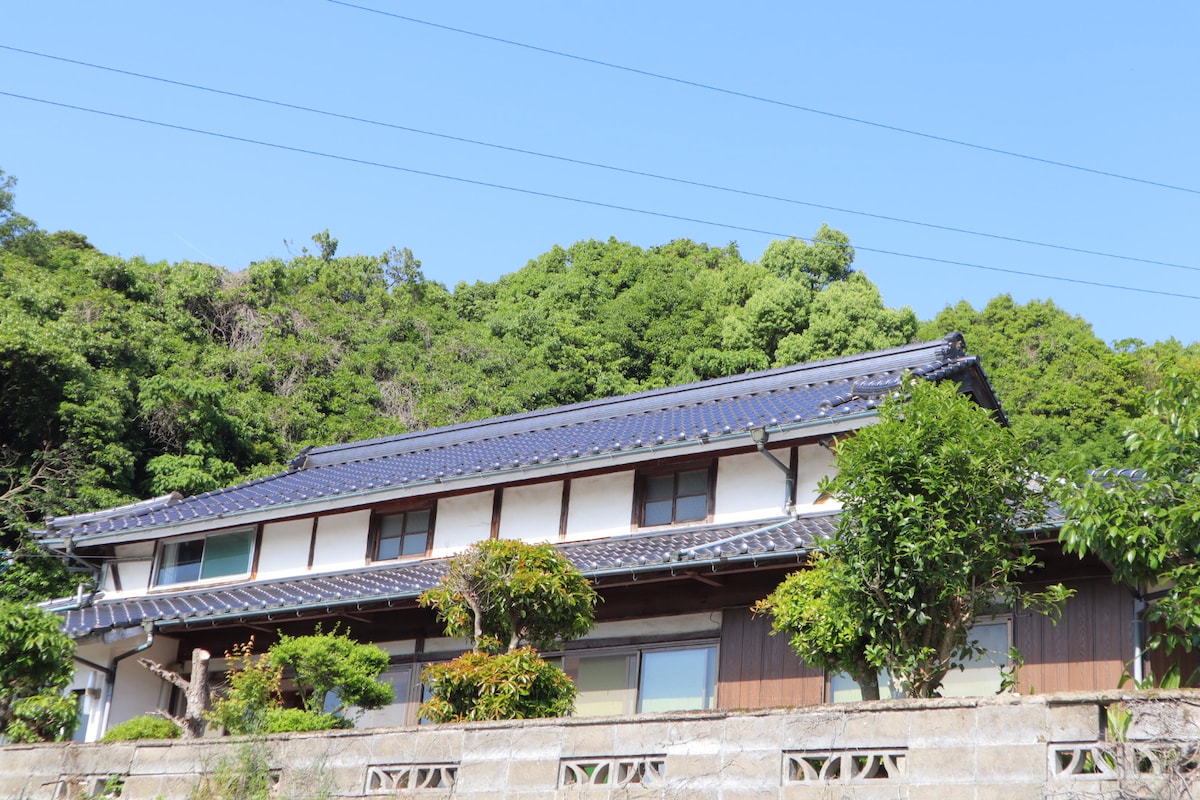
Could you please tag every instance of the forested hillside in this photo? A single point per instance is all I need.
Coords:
(122, 379)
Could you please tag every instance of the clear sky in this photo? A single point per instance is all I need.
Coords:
(1103, 85)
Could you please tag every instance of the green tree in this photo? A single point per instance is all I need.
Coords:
(1066, 393)
(930, 536)
(503, 596)
(502, 593)
(35, 667)
(1144, 520)
(331, 663)
(320, 665)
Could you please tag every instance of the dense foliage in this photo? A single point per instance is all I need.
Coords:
(36, 664)
(122, 379)
(501, 593)
(507, 598)
(930, 536)
(145, 727)
(319, 665)
(518, 684)
(1144, 520)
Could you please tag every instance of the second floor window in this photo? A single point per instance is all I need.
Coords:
(220, 556)
(405, 533)
(681, 496)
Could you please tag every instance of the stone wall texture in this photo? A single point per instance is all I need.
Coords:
(1016, 748)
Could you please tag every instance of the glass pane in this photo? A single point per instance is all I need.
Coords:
(693, 482)
(416, 521)
(228, 554)
(388, 548)
(414, 544)
(843, 689)
(690, 508)
(603, 686)
(678, 680)
(658, 512)
(396, 713)
(181, 562)
(391, 531)
(660, 487)
(982, 676)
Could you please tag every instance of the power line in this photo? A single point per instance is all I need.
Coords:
(770, 100)
(582, 201)
(598, 165)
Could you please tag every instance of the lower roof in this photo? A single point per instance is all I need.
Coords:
(770, 541)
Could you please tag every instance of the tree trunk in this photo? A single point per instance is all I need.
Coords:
(868, 682)
(196, 692)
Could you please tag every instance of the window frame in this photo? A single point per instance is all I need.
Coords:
(376, 537)
(160, 553)
(635, 655)
(641, 492)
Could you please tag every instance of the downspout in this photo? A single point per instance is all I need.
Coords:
(1139, 648)
(110, 675)
(759, 435)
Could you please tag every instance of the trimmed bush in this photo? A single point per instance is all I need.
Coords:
(518, 684)
(285, 720)
(147, 727)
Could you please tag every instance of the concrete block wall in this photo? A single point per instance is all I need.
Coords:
(1004, 747)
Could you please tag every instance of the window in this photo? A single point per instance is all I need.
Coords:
(678, 679)
(403, 534)
(219, 556)
(681, 496)
(979, 677)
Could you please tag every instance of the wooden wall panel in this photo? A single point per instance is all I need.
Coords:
(758, 670)
(1088, 649)
(1188, 663)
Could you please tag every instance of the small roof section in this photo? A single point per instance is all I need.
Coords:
(709, 411)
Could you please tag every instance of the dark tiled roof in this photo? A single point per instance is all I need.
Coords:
(706, 411)
(681, 549)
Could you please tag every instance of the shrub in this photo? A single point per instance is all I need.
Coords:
(285, 720)
(518, 684)
(147, 727)
(42, 718)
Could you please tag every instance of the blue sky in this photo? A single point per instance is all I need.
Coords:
(1102, 85)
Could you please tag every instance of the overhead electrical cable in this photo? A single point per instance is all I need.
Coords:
(598, 165)
(770, 100)
(583, 201)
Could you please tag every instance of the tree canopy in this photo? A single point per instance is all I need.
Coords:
(36, 665)
(930, 536)
(502, 593)
(1144, 518)
(122, 378)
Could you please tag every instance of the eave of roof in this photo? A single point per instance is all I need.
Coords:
(705, 415)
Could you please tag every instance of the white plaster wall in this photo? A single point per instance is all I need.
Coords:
(285, 548)
(341, 541)
(532, 513)
(135, 577)
(600, 506)
(749, 487)
(138, 691)
(815, 463)
(461, 521)
(703, 622)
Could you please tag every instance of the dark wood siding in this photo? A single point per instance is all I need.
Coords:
(1161, 660)
(758, 670)
(1090, 646)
